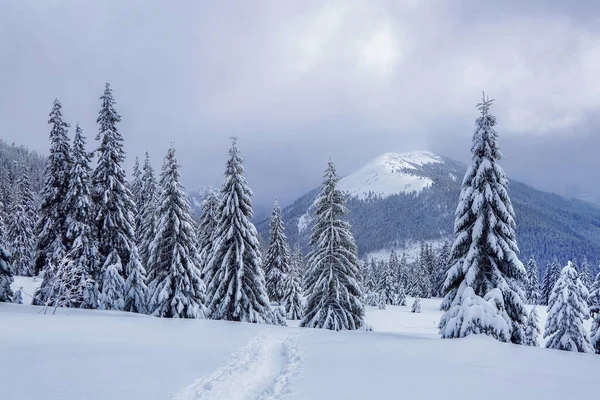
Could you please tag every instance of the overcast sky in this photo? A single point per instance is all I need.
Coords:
(300, 81)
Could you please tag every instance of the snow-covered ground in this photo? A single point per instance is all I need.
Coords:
(79, 354)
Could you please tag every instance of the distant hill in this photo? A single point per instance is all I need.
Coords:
(398, 200)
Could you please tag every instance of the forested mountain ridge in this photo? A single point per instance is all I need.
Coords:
(398, 199)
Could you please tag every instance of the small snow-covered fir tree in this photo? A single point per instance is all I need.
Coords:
(551, 275)
(236, 286)
(20, 232)
(146, 214)
(387, 287)
(594, 299)
(335, 298)
(443, 262)
(6, 276)
(115, 217)
(400, 296)
(380, 302)
(206, 229)
(292, 295)
(135, 286)
(481, 291)
(52, 216)
(18, 296)
(566, 311)
(112, 297)
(532, 286)
(176, 290)
(416, 307)
(532, 328)
(277, 257)
(585, 274)
(80, 223)
(136, 188)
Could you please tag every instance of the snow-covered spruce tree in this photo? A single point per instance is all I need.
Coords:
(416, 307)
(136, 188)
(566, 311)
(532, 286)
(401, 296)
(594, 299)
(236, 287)
(277, 258)
(52, 222)
(80, 223)
(206, 229)
(551, 275)
(135, 287)
(292, 295)
(113, 288)
(115, 208)
(481, 291)
(532, 328)
(147, 214)
(442, 265)
(585, 274)
(176, 290)
(386, 286)
(6, 276)
(335, 298)
(595, 333)
(20, 232)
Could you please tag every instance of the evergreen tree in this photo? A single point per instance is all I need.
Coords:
(594, 299)
(113, 287)
(115, 208)
(52, 221)
(176, 291)
(80, 223)
(334, 294)
(566, 312)
(442, 269)
(485, 267)
(147, 215)
(6, 276)
(277, 257)
(532, 287)
(386, 287)
(416, 307)
(370, 283)
(595, 333)
(551, 275)
(401, 296)
(21, 228)
(206, 229)
(136, 189)
(586, 274)
(135, 286)
(292, 297)
(236, 289)
(532, 328)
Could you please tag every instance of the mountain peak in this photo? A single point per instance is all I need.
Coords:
(389, 174)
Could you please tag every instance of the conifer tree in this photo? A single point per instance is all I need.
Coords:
(236, 286)
(566, 312)
(52, 223)
(386, 287)
(113, 287)
(176, 291)
(401, 296)
(532, 329)
(594, 299)
(277, 257)
(80, 223)
(551, 275)
(335, 298)
(135, 286)
(206, 229)
(6, 276)
(292, 296)
(416, 307)
(147, 214)
(136, 189)
(532, 287)
(20, 233)
(482, 293)
(443, 263)
(115, 208)
(585, 274)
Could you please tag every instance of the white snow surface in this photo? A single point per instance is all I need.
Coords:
(83, 354)
(390, 174)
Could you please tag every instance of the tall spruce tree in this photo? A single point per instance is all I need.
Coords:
(442, 265)
(115, 217)
(386, 286)
(335, 298)
(176, 291)
(236, 286)
(277, 258)
(136, 189)
(81, 231)
(20, 232)
(206, 229)
(486, 271)
(566, 311)
(51, 225)
(532, 284)
(292, 295)
(551, 275)
(146, 214)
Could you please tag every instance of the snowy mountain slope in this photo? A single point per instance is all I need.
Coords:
(398, 200)
(113, 355)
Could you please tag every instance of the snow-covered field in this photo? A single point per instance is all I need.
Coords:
(79, 354)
